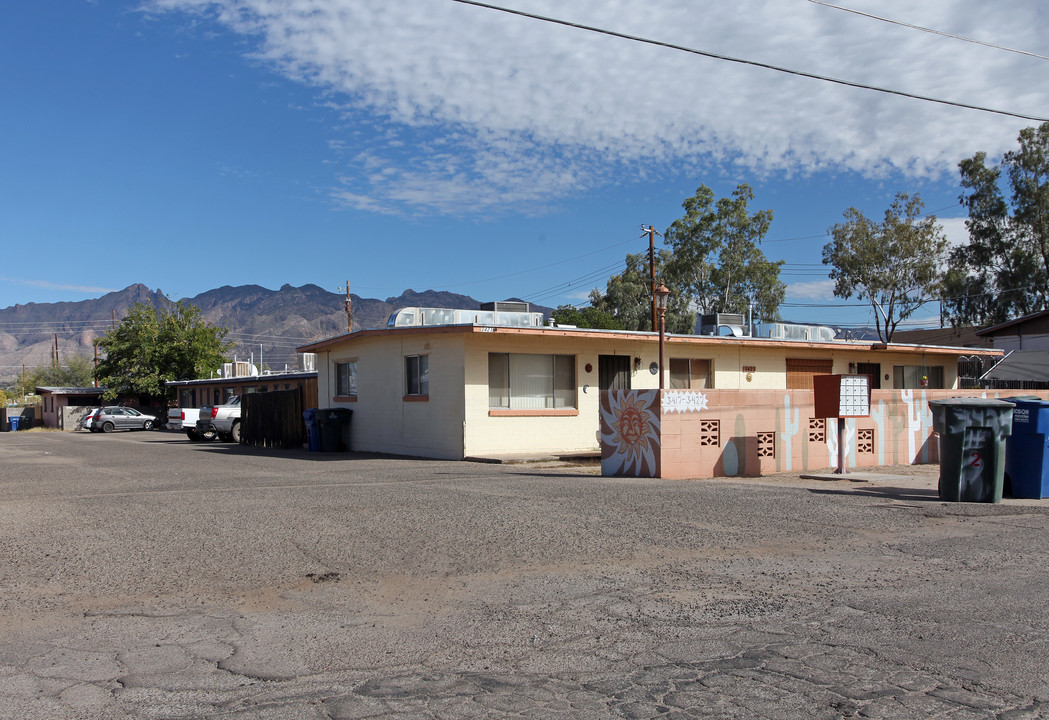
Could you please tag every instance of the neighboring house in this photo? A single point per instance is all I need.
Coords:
(215, 391)
(478, 388)
(1025, 341)
(64, 407)
(1030, 332)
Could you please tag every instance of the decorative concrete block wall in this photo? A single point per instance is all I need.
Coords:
(729, 433)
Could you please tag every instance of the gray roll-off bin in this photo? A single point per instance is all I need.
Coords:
(330, 422)
(972, 447)
(1027, 449)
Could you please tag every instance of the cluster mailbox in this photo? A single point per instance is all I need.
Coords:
(842, 396)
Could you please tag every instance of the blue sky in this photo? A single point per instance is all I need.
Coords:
(428, 144)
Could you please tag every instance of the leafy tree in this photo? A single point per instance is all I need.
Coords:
(717, 265)
(78, 371)
(587, 317)
(894, 265)
(152, 345)
(628, 296)
(1003, 271)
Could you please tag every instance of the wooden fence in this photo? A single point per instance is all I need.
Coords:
(273, 419)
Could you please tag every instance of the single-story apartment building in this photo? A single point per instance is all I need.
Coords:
(474, 389)
(65, 407)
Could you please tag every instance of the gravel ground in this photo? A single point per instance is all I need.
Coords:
(144, 576)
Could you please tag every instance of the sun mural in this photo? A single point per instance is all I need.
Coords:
(630, 433)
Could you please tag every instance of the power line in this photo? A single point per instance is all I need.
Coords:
(930, 30)
(754, 63)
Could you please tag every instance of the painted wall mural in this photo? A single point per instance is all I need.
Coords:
(690, 434)
(630, 427)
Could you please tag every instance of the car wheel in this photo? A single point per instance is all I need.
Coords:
(209, 435)
(193, 435)
(147, 425)
(234, 433)
(107, 427)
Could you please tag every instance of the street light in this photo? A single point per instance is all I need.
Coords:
(661, 293)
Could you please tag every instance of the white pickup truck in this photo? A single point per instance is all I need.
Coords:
(221, 420)
(186, 419)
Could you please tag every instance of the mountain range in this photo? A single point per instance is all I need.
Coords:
(267, 325)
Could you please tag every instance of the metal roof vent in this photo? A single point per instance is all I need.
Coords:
(506, 306)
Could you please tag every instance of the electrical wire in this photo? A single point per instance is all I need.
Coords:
(930, 30)
(753, 63)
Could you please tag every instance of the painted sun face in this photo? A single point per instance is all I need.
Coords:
(631, 425)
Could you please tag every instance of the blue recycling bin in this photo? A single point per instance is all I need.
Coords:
(13, 423)
(313, 438)
(1027, 449)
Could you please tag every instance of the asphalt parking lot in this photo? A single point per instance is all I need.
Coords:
(144, 576)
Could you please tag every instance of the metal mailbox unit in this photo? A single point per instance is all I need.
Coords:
(972, 447)
(841, 397)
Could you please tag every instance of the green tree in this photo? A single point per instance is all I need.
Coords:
(152, 345)
(717, 265)
(894, 265)
(627, 298)
(587, 317)
(78, 371)
(1003, 271)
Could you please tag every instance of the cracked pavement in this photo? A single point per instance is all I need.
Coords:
(144, 576)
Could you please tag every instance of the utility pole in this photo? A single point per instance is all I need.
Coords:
(651, 232)
(349, 309)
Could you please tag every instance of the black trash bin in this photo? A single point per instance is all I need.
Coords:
(972, 447)
(330, 422)
(1027, 450)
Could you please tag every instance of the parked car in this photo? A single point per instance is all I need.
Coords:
(85, 424)
(112, 418)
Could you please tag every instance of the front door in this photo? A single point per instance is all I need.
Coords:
(872, 369)
(613, 372)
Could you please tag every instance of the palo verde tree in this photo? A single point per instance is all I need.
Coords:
(1003, 271)
(894, 265)
(152, 345)
(717, 265)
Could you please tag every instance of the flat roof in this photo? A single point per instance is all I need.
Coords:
(274, 377)
(70, 390)
(644, 336)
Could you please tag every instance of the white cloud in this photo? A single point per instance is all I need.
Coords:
(503, 109)
(955, 230)
(58, 286)
(813, 290)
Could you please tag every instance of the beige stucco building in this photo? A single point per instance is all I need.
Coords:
(472, 390)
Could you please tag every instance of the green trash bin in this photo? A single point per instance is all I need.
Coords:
(330, 422)
(972, 447)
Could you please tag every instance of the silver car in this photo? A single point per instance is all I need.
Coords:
(108, 419)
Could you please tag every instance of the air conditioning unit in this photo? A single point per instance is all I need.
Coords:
(309, 362)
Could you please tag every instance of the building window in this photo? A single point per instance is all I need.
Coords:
(518, 381)
(917, 376)
(689, 374)
(346, 379)
(417, 375)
